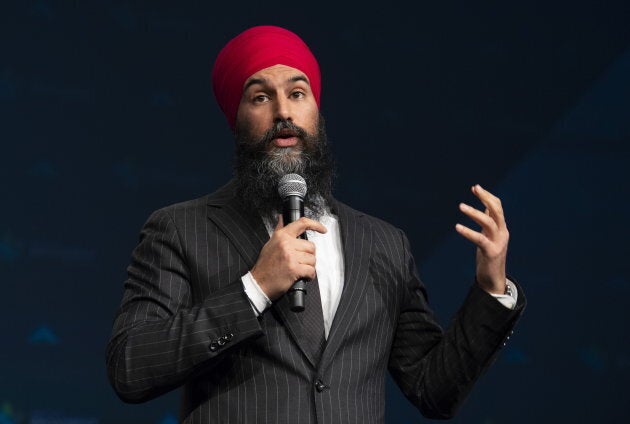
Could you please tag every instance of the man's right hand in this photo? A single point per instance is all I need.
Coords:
(285, 258)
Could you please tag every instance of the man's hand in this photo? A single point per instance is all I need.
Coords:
(284, 259)
(492, 241)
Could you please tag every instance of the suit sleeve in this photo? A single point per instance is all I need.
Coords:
(436, 370)
(161, 337)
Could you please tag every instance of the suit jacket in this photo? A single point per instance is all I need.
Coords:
(186, 321)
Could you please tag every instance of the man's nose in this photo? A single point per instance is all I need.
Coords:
(282, 110)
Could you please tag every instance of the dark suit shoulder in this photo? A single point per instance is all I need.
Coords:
(377, 224)
(389, 246)
(197, 205)
(184, 205)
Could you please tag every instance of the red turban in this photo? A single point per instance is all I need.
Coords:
(252, 50)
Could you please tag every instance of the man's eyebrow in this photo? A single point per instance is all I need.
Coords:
(253, 81)
(263, 81)
(299, 78)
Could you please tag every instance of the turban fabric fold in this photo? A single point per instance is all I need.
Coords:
(255, 49)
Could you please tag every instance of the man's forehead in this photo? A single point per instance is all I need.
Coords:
(276, 74)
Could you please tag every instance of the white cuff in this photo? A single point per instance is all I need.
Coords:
(257, 297)
(505, 299)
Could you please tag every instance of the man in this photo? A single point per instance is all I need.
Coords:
(205, 306)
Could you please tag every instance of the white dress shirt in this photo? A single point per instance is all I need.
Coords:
(329, 266)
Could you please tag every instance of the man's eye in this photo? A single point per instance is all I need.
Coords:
(297, 94)
(261, 98)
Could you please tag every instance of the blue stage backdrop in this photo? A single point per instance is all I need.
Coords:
(107, 114)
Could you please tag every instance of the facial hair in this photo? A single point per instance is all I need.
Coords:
(260, 164)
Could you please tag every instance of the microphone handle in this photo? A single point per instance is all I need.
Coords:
(292, 210)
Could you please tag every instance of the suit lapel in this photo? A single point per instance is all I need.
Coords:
(356, 238)
(248, 234)
(282, 307)
(245, 230)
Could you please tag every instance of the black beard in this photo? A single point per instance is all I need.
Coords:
(260, 164)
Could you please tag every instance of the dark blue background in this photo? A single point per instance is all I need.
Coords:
(107, 114)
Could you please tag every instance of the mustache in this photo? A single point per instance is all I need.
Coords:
(281, 128)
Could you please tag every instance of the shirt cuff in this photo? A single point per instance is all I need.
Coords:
(257, 297)
(509, 301)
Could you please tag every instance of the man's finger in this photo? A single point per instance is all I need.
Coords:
(306, 271)
(280, 223)
(492, 202)
(472, 235)
(486, 222)
(296, 228)
(487, 198)
(305, 246)
(306, 258)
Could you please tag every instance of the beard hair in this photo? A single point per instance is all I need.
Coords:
(260, 164)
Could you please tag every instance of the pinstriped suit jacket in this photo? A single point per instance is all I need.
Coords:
(186, 321)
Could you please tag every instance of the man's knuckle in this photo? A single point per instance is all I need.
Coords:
(286, 255)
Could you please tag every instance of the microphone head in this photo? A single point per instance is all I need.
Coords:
(291, 185)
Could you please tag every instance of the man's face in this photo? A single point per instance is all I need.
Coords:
(275, 94)
(279, 131)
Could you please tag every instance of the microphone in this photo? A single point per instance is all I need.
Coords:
(292, 189)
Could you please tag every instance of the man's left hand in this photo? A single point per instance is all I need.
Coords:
(491, 241)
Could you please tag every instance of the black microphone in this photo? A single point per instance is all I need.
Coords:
(292, 189)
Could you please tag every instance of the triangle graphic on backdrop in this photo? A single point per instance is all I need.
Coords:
(169, 419)
(43, 335)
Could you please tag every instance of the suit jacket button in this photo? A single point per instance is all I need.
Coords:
(228, 337)
(319, 386)
(221, 341)
(214, 346)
